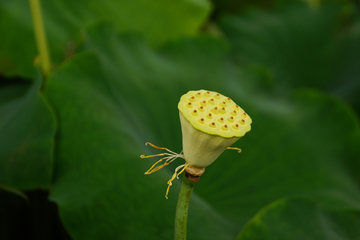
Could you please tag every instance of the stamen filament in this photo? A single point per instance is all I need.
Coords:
(182, 170)
(156, 155)
(148, 143)
(154, 145)
(151, 171)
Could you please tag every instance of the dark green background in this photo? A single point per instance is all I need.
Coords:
(70, 145)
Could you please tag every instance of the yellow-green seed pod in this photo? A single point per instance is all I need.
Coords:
(210, 123)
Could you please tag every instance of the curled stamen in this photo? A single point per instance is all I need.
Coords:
(175, 175)
(234, 148)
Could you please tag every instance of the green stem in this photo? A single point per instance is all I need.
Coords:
(40, 36)
(182, 207)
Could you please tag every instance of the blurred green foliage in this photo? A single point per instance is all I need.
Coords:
(120, 69)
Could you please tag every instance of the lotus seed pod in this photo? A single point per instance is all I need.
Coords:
(210, 123)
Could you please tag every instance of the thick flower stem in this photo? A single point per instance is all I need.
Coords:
(40, 37)
(182, 207)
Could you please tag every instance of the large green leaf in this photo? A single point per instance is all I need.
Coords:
(27, 130)
(229, 6)
(158, 21)
(295, 42)
(346, 83)
(302, 46)
(103, 131)
(113, 99)
(289, 219)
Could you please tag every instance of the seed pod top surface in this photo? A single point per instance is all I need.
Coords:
(214, 113)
